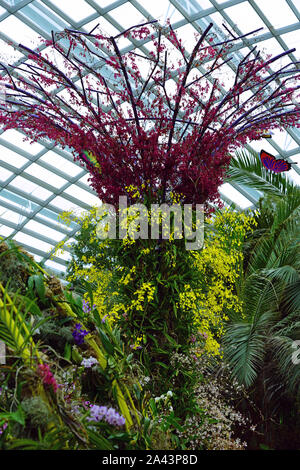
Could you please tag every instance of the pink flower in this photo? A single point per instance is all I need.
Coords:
(47, 376)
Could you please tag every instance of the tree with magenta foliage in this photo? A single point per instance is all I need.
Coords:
(80, 90)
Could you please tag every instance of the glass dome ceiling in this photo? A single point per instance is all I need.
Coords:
(38, 181)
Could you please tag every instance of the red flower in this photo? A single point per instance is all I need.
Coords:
(47, 376)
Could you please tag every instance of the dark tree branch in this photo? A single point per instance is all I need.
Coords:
(133, 105)
(134, 27)
(187, 71)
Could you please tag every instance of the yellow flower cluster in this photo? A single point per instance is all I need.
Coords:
(176, 197)
(219, 264)
(146, 290)
(133, 191)
(126, 279)
(137, 342)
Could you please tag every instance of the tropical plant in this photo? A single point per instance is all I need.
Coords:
(259, 344)
(37, 372)
(246, 169)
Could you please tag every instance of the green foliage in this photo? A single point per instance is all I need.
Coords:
(36, 283)
(259, 346)
(269, 289)
(160, 295)
(246, 169)
(36, 411)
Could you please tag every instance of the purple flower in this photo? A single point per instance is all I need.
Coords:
(86, 306)
(110, 415)
(97, 413)
(2, 429)
(79, 334)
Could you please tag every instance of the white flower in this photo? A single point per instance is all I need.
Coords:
(87, 363)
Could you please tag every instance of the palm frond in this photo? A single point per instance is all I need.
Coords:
(284, 350)
(246, 169)
(291, 300)
(244, 348)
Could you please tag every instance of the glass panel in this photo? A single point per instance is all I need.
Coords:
(65, 205)
(271, 46)
(8, 54)
(30, 188)
(5, 231)
(84, 179)
(264, 144)
(5, 174)
(204, 4)
(277, 12)
(37, 258)
(291, 39)
(245, 17)
(231, 193)
(52, 217)
(187, 35)
(13, 3)
(283, 139)
(61, 164)
(108, 29)
(161, 10)
(82, 195)
(19, 32)
(79, 10)
(45, 175)
(104, 3)
(11, 216)
(55, 266)
(18, 139)
(31, 241)
(294, 175)
(44, 230)
(17, 201)
(65, 256)
(11, 157)
(126, 15)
